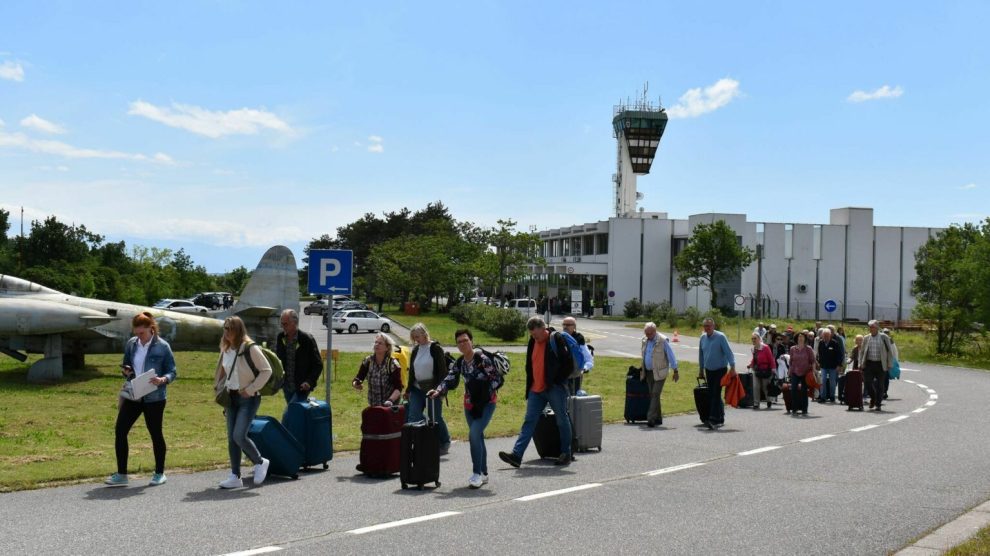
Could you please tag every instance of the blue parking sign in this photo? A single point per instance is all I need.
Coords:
(331, 271)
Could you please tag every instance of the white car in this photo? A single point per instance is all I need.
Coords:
(180, 305)
(355, 320)
(525, 307)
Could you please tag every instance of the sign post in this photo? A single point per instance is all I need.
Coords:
(577, 298)
(740, 309)
(331, 272)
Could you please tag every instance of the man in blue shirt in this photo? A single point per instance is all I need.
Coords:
(714, 358)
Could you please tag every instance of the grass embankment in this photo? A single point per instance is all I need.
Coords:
(977, 545)
(442, 328)
(58, 433)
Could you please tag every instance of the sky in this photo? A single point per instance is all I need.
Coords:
(227, 127)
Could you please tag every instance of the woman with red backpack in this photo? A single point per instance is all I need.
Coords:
(763, 365)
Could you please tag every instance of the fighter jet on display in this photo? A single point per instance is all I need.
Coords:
(36, 319)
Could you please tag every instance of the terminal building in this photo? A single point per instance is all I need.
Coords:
(866, 270)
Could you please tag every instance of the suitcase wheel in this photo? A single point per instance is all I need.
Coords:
(326, 466)
(295, 477)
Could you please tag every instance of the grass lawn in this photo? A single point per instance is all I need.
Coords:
(978, 545)
(59, 433)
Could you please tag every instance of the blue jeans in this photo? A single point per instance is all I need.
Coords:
(830, 378)
(476, 434)
(556, 396)
(239, 416)
(716, 409)
(417, 405)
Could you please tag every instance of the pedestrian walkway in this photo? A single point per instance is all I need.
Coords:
(951, 534)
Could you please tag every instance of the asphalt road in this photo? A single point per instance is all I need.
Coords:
(835, 482)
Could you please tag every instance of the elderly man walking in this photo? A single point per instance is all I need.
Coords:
(658, 358)
(875, 358)
(715, 358)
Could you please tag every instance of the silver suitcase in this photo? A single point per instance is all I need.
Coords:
(586, 422)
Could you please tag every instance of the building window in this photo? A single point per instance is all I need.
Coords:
(788, 241)
(566, 244)
(759, 233)
(602, 244)
(576, 248)
(677, 245)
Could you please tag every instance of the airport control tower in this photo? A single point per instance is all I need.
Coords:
(638, 128)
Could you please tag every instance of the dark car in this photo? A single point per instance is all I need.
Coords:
(208, 300)
(318, 307)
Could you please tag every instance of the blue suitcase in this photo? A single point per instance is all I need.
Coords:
(276, 444)
(312, 425)
(637, 397)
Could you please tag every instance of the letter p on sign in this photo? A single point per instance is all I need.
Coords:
(328, 269)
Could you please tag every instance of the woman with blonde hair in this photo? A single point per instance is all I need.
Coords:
(235, 373)
(144, 352)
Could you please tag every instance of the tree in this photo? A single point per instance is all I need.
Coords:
(510, 251)
(713, 254)
(944, 285)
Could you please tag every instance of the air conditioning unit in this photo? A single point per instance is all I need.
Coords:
(802, 288)
(576, 259)
(563, 259)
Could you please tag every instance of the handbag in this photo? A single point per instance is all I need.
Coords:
(773, 389)
(763, 374)
(222, 396)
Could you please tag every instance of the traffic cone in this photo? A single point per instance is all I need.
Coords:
(677, 338)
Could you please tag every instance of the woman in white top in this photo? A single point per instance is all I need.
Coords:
(428, 366)
(236, 374)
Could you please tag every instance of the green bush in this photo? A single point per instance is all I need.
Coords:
(693, 317)
(462, 313)
(505, 324)
(633, 308)
(716, 315)
(650, 310)
(667, 314)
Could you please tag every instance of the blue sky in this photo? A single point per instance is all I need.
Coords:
(227, 127)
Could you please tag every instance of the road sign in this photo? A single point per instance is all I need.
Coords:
(331, 271)
(830, 305)
(740, 300)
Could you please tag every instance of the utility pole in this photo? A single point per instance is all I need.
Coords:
(759, 280)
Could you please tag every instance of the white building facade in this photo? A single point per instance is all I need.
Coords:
(866, 270)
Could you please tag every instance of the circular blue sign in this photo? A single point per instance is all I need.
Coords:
(830, 305)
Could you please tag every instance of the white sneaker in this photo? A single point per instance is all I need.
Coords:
(484, 479)
(475, 481)
(261, 471)
(233, 481)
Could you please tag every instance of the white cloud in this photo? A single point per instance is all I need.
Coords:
(213, 124)
(968, 186)
(59, 148)
(883, 92)
(36, 122)
(698, 101)
(376, 145)
(12, 71)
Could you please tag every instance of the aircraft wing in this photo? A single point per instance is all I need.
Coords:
(257, 312)
(28, 317)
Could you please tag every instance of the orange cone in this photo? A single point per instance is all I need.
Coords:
(677, 338)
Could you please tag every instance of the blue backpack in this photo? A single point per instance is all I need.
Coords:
(575, 351)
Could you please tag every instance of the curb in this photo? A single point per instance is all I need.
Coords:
(951, 534)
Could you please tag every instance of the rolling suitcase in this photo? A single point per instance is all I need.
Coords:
(785, 391)
(637, 397)
(312, 425)
(381, 433)
(586, 422)
(277, 445)
(747, 382)
(854, 390)
(419, 451)
(547, 435)
(701, 399)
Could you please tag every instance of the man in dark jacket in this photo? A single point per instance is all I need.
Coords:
(831, 355)
(548, 364)
(300, 358)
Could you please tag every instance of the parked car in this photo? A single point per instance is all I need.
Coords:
(318, 307)
(356, 319)
(525, 306)
(180, 305)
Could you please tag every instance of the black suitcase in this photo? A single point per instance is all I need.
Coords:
(747, 381)
(701, 399)
(547, 435)
(419, 451)
(637, 397)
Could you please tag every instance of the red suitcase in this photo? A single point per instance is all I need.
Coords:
(854, 389)
(381, 434)
(785, 391)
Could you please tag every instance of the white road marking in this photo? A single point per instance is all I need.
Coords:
(866, 428)
(758, 450)
(919, 410)
(920, 385)
(401, 522)
(910, 381)
(814, 438)
(934, 396)
(930, 403)
(898, 418)
(262, 550)
(672, 469)
(557, 492)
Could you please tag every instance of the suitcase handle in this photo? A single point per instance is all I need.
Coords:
(702, 381)
(431, 418)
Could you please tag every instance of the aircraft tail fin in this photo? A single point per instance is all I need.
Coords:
(272, 287)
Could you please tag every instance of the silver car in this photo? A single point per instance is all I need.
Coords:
(355, 320)
(180, 305)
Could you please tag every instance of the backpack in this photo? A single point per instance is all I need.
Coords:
(501, 363)
(403, 354)
(275, 382)
(575, 351)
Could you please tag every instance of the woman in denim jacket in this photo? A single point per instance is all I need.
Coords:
(144, 352)
(481, 381)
